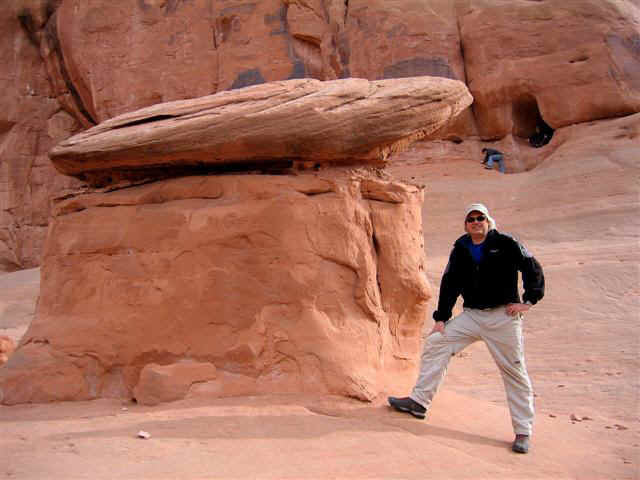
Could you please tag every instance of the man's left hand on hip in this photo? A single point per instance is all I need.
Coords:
(514, 308)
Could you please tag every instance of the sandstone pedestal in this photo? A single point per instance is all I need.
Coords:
(287, 284)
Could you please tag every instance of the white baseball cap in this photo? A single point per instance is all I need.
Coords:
(479, 207)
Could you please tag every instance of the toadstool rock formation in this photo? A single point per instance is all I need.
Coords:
(307, 282)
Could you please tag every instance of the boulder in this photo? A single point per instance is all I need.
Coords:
(165, 383)
(36, 372)
(309, 283)
(339, 121)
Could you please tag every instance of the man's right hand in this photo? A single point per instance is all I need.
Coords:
(437, 327)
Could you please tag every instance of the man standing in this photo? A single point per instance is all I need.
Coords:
(483, 267)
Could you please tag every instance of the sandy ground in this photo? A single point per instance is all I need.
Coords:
(577, 212)
(298, 437)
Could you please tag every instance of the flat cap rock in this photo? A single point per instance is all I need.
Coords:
(350, 120)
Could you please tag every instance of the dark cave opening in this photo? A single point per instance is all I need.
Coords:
(525, 115)
(528, 122)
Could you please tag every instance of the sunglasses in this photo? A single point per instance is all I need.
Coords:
(479, 218)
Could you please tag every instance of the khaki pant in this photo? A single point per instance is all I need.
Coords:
(503, 336)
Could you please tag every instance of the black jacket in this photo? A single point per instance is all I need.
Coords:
(494, 281)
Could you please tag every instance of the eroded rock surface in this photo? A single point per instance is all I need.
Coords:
(340, 121)
(564, 62)
(164, 383)
(292, 283)
(31, 123)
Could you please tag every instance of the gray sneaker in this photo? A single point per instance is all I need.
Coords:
(407, 405)
(521, 444)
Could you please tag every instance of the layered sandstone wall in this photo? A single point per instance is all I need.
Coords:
(70, 64)
(566, 62)
(31, 123)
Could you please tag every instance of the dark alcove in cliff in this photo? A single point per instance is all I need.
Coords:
(528, 122)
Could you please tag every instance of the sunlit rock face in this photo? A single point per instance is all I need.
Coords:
(283, 283)
(564, 62)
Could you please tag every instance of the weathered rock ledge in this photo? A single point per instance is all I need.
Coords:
(341, 121)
